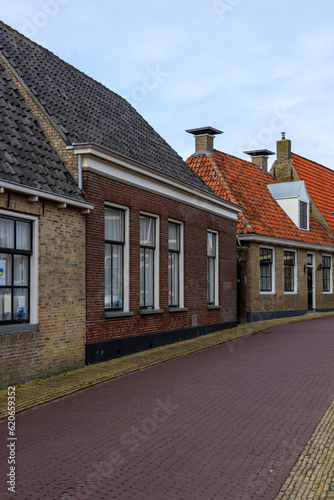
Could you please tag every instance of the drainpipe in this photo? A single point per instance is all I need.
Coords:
(80, 171)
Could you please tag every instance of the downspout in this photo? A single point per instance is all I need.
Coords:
(80, 171)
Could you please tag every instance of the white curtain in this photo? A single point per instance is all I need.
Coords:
(23, 235)
(114, 224)
(6, 233)
(147, 225)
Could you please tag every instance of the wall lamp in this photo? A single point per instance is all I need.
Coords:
(319, 267)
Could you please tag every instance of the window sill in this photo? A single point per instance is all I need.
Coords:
(18, 328)
(177, 309)
(290, 293)
(118, 314)
(267, 293)
(145, 312)
(210, 307)
(327, 293)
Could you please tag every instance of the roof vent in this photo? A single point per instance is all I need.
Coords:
(204, 138)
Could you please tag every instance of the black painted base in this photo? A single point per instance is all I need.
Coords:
(111, 349)
(265, 315)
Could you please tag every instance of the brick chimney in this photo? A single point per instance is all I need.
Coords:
(282, 169)
(260, 157)
(204, 138)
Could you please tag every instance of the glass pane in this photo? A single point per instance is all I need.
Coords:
(326, 261)
(174, 236)
(211, 281)
(6, 233)
(21, 270)
(23, 235)
(149, 277)
(289, 258)
(107, 279)
(173, 264)
(147, 231)
(5, 269)
(211, 245)
(5, 304)
(266, 255)
(117, 276)
(20, 311)
(114, 224)
(309, 259)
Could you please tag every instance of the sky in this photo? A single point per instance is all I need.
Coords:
(250, 68)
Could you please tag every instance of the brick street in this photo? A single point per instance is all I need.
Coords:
(224, 423)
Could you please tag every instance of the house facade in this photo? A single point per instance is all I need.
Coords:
(285, 247)
(42, 247)
(160, 256)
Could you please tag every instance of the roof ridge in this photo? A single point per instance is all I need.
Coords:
(312, 161)
(18, 33)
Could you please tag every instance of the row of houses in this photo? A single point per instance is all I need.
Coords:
(112, 244)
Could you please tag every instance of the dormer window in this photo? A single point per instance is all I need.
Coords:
(294, 199)
(303, 215)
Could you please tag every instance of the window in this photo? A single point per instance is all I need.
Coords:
(114, 258)
(303, 223)
(289, 271)
(15, 256)
(266, 270)
(326, 273)
(147, 261)
(212, 264)
(174, 264)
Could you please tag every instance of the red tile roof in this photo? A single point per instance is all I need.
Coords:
(245, 183)
(319, 181)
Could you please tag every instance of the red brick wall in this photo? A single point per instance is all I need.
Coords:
(196, 222)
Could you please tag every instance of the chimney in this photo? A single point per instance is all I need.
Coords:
(204, 138)
(260, 157)
(282, 169)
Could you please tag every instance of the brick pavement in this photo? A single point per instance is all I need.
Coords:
(228, 422)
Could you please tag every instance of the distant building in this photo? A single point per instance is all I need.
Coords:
(285, 245)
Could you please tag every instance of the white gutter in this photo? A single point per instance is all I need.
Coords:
(40, 193)
(110, 164)
(284, 242)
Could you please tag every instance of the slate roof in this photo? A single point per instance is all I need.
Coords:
(319, 181)
(87, 111)
(245, 183)
(26, 155)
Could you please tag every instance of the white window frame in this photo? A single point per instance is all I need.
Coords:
(181, 264)
(273, 272)
(156, 296)
(295, 274)
(307, 228)
(126, 259)
(33, 266)
(216, 301)
(330, 275)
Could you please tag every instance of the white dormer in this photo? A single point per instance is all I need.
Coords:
(295, 201)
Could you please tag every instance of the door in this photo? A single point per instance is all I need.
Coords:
(310, 284)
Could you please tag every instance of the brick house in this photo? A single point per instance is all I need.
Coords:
(42, 247)
(285, 246)
(160, 244)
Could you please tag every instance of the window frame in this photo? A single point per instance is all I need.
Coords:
(294, 277)
(32, 286)
(180, 253)
(109, 312)
(215, 259)
(272, 290)
(330, 271)
(303, 217)
(155, 248)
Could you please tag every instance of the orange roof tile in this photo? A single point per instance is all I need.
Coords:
(319, 181)
(245, 183)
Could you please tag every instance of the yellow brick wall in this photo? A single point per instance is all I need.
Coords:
(280, 301)
(59, 343)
